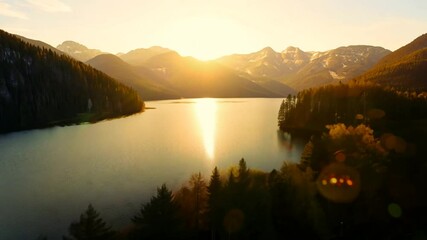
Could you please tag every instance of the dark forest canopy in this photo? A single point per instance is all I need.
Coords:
(312, 109)
(39, 88)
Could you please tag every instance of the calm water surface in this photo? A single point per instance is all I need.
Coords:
(49, 176)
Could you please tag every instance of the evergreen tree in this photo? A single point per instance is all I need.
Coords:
(214, 204)
(199, 191)
(90, 227)
(158, 219)
(214, 187)
(281, 115)
(243, 178)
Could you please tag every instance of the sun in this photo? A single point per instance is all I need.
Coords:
(208, 37)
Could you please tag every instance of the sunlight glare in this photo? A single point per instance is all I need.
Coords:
(206, 116)
(209, 37)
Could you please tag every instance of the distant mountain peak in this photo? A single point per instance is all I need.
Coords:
(74, 44)
(292, 49)
(78, 50)
(139, 56)
(268, 50)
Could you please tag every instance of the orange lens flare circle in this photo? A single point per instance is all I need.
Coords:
(339, 183)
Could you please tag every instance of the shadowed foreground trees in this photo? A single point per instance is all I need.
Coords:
(296, 202)
(158, 219)
(90, 227)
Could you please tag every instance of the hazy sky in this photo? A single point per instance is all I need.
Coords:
(211, 28)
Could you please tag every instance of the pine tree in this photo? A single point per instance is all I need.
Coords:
(243, 178)
(281, 115)
(214, 202)
(198, 188)
(158, 219)
(90, 227)
(214, 185)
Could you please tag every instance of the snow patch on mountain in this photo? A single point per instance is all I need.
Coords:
(334, 75)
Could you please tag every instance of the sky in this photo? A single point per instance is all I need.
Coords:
(207, 29)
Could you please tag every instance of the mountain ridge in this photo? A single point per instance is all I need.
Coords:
(130, 76)
(404, 68)
(301, 70)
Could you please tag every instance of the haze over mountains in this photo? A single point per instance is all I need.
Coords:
(140, 79)
(270, 74)
(161, 73)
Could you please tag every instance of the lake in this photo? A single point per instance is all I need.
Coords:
(49, 176)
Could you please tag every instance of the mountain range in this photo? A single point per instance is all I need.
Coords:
(161, 73)
(265, 73)
(301, 70)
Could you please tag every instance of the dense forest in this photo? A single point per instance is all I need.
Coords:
(383, 108)
(40, 88)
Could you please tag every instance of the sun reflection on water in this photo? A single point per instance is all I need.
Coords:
(206, 116)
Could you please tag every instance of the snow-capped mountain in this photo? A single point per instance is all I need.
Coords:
(78, 51)
(301, 69)
(267, 63)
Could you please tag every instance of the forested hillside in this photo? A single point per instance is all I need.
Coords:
(40, 88)
(404, 68)
(312, 109)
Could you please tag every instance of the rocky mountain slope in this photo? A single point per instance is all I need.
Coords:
(301, 70)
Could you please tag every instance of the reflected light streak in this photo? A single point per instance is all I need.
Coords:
(206, 115)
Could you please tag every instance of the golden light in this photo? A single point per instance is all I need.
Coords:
(207, 37)
(333, 180)
(206, 116)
